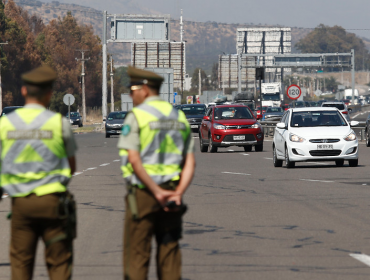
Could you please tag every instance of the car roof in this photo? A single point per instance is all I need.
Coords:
(333, 102)
(186, 105)
(230, 105)
(313, 109)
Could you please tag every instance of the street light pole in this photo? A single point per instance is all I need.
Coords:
(83, 82)
(1, 86)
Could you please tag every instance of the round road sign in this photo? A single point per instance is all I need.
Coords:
(68, 99)
(294, 92)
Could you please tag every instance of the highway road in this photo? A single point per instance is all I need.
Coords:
(246, 219)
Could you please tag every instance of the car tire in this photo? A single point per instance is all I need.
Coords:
(339, 162)
(203, 148)
(107, 135)
(80, 124)
(258, 148)
(353, 162)
(247, 148)
(288, 163)
(277, 162)
(211, 147)
(367, 139)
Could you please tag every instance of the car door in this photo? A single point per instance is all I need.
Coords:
(279, 132)
(205, 124)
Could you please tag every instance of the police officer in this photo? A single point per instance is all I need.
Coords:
(156, 150)
(37, 160)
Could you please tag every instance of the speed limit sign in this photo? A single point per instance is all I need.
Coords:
(294, 92)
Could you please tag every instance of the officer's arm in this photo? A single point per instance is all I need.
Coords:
(160, 194)
(186, 174)
(72, 164)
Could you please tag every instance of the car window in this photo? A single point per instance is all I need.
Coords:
(210, 113)
(233, 113)
(117, 116)
(194, 110)
(338, 106)
(284, 117)
(287, 119)
(274, 110)
(317, 118)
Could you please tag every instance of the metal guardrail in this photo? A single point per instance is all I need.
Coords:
(269, 128)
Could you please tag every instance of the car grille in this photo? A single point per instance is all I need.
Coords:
(324, 140)
(192, 121)
(238, 126)
(230, 138)
(325, 153)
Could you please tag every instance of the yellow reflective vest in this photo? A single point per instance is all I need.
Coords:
(164, 131)
(33, 155)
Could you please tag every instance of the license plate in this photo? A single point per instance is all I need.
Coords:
(239, 137)
(193, 126)
(325, 147)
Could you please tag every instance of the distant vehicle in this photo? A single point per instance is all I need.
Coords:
(194, 114)
(7, 110)
(340, 106)
(313, 104)
(273, 114)
(367, 131)
(230, 125)
(114, 122)
(75, 119)
(348, 95)
(259, 114)
(346, 101)
(271, 94)
(247, 99)
(298, 104)
(285, 107)
(314, 134)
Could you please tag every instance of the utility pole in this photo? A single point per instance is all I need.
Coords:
(1, 86)
(104, 74)
(83, 82)
(200, 83)
(111, 85)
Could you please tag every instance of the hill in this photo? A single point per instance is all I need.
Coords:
(205, 40)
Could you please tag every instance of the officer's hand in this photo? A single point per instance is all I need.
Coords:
(178, 200)
(162, 196)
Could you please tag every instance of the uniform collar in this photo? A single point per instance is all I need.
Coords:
(152, 98)
(34, 106)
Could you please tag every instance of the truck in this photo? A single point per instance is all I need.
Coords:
(246, 98)
(348, 95)
(271, 94)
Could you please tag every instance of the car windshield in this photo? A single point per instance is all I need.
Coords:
(338, 106)
(117, 116)
(194, 110)
(74, 114)
(274, 110)
(317, 118)
(233, 113)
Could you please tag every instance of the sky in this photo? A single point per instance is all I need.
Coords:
(353, 15)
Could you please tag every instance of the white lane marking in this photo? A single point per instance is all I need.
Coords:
(104, 164)
(5, 196)
(77, 173)
(319, 163)
(362, 258)
(245, 154)
(364, 184)
(235, 173)
(91, 168)
(116, 160)
(196, 137)
(268, 158)
(322, 181)
(266, 140)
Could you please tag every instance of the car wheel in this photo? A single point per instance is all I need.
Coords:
(367, 139)
(277, 162)
(107, 135)
(353, 162)
(247, 148)
(211, 147)
(288, 163)
(203, 148)
(339, 162)
(258, 148)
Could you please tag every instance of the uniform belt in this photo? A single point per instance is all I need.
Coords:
(169, 185)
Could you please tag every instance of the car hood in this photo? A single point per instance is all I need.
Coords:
(194, 116)
(115, 122)
(75, 118)
(319, 132)
(236, 122)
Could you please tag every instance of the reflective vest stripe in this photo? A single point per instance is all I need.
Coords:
(33, 153)
(163, 132)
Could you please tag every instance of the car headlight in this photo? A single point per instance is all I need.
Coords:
(218, 126)
(256, 125)
(351, 136)
(77, 119)
(108, 125)
(295, 138)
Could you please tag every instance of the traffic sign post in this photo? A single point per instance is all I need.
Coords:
(294, 92)
(69, 99)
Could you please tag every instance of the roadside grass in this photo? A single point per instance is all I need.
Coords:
(84, 129)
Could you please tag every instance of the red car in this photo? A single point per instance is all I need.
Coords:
(230, 125)
(259, 115)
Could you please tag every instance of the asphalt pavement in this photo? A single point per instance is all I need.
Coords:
(246, 218)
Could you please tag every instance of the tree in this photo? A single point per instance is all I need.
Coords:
(195, 80)
(325, 39)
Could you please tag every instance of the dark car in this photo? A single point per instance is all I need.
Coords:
(75, 119)
(230, 125)
(9, 109)
(114, 122)
(194, 114)
(273, 114)
(367, 131)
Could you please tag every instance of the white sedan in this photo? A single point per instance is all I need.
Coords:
(314, 134)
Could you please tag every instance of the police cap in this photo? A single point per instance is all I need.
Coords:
(41, 76)
(143, 77)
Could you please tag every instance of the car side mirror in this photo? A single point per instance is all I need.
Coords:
(206, 118)
(349, 110)
(281, 125)
(354, 123)
(104, 120)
